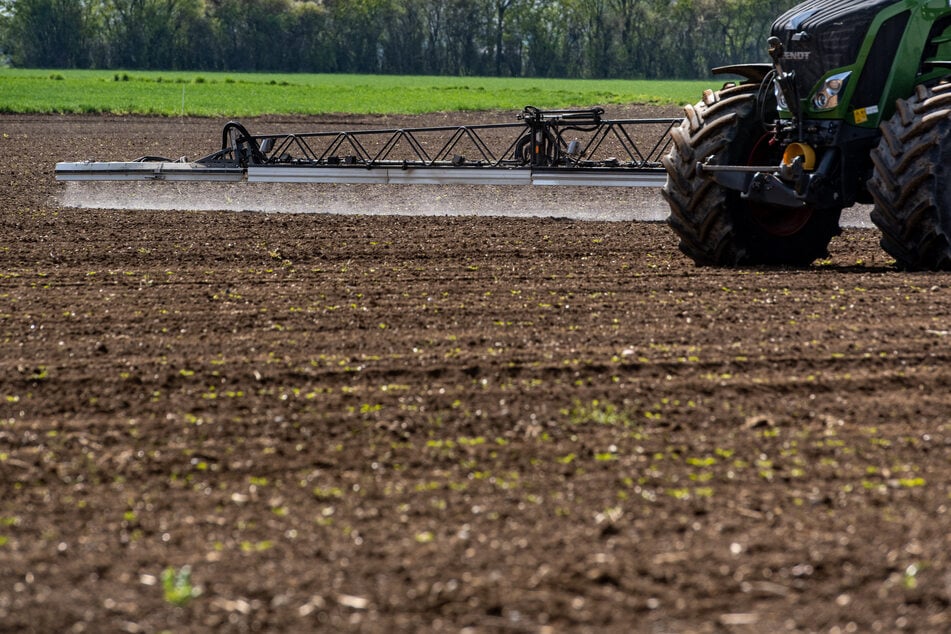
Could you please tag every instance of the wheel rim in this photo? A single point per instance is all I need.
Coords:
(781, 222)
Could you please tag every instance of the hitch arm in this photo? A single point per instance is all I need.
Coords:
(755, 183)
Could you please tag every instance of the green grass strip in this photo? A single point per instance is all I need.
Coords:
(250, 94)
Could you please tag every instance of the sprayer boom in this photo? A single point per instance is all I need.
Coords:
(546, 147)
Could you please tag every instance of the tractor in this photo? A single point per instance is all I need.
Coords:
(852, 108)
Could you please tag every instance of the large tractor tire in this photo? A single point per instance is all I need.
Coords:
(716, 226)
(911, 181)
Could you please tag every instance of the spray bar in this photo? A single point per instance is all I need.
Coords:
(594, 177)
(548, 147)
(164, 171)
(146, 171)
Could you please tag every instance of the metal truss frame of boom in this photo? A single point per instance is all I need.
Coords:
(546, 147)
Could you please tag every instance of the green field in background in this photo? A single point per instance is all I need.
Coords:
(250, 94)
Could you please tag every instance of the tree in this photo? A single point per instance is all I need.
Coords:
(252, 33)
(466, 41)
(501, 9)
(6, 16)
(48, 33)
(308, 46)
(548, 38)
(154, 33)
(358, 29)
(403, 41)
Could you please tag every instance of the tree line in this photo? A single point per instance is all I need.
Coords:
(514, 38)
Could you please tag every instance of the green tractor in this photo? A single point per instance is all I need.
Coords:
(852, 109)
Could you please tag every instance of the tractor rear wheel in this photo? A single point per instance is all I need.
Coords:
(911, 181)
(716, 225)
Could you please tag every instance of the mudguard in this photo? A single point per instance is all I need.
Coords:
(756, 73)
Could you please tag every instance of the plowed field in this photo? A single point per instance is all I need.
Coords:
(451, 423)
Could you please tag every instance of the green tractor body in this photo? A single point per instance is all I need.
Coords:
(852, 109)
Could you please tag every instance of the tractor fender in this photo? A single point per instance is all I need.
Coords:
(756, 73)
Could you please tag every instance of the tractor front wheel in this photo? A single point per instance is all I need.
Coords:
(716, 225)
(911, 181)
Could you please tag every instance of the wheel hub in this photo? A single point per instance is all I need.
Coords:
(775, 220)
(779, 221)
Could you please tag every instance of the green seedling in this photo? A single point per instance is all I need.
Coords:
(177, 585)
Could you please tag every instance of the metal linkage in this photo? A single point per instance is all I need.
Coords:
(385, 148)
(552, 138)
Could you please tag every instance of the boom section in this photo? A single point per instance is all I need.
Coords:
(544, 147)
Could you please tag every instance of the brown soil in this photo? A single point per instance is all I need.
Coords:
(379, 424)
